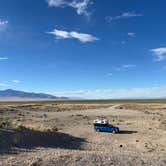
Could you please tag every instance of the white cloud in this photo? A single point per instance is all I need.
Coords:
(123, 42)
(129, 15)
(3, 24)
(124, 67)
(159, 53)
(80, 36)
(128, 66)
(131, 34)
(16, 81)
(3, 58)
(79, 6)
(3, 85)
(56, 3)
(125, 15)
(60, 34)
(153, 92)
(109, 74)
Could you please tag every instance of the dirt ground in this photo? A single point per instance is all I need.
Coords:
(63, 134)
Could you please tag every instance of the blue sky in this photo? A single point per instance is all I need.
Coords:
(84, 48)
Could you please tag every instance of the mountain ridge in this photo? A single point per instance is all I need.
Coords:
(10, 93)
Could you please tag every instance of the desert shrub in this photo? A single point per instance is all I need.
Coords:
(54, 129)
(20, 127)
(51, 129)
(9, 124)
(45, 115)
(5, 124)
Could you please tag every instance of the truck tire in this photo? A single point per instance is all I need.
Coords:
(114, 132)
(97, 130)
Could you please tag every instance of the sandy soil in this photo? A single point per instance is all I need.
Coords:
(53, 134)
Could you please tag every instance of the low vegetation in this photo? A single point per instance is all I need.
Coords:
(53, 133)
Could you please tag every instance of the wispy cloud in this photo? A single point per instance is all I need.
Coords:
(83, 37)
(109, 74)
(3, 24)
(124, 93)
(3, 58)
(16, 81)
(124, 67)
(3, 85)
(117, 68)
(131, 34)
(159, 53)
(80, 6)
(128, 66)
(123, 42)
(126, 15)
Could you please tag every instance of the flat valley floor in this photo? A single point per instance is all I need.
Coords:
(61, 134)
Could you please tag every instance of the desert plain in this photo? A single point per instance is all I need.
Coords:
(62, 133)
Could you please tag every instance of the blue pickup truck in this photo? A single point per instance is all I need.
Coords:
(106, 127)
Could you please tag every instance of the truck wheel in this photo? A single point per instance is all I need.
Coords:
(113, 132)
(97, 130)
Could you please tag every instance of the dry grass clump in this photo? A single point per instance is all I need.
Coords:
(15, 125)
(142, 107)
(42, 128)
(5, 124)
(163, 124)
(63, 107)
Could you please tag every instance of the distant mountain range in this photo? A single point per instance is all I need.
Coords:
(10, 93)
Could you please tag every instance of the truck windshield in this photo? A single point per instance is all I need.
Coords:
(103, 125)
